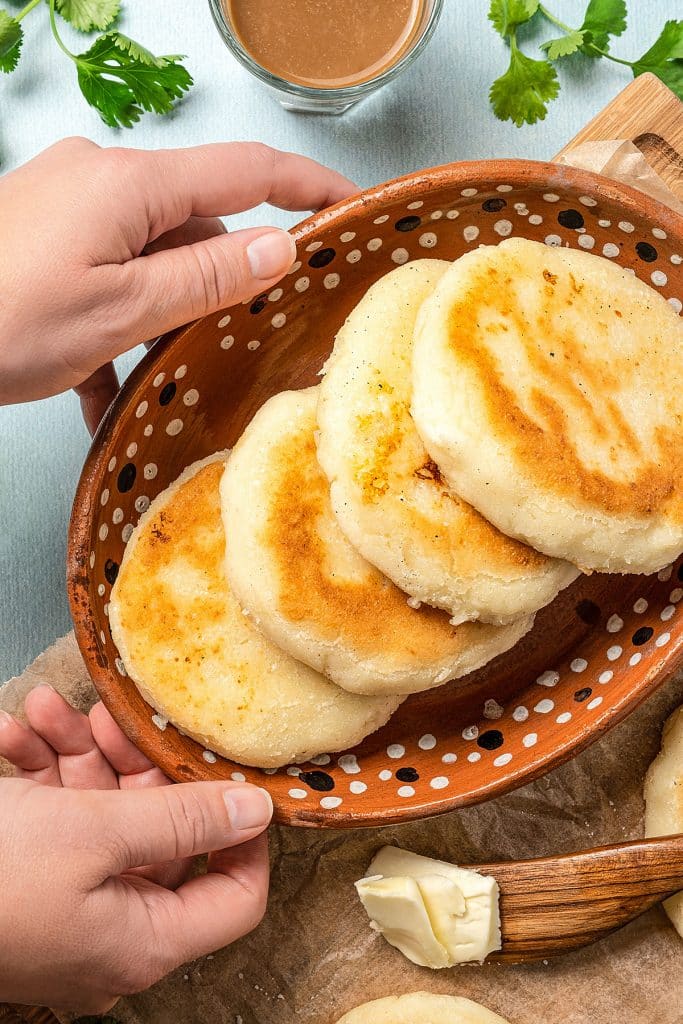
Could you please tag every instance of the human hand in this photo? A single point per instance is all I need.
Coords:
(103, 249)
(89, 871)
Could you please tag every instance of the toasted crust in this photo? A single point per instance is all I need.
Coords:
(547, 385)
(200, 662)
(307, 587)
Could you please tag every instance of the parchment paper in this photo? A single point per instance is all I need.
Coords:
(314, 956)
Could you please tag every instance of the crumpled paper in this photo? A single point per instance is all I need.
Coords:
(314, 956)
(621, 160)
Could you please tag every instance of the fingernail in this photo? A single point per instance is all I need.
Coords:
(271, 255)
(5, 718)
(45, 686)
(250, 807)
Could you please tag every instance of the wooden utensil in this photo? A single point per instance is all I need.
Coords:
(552, 905)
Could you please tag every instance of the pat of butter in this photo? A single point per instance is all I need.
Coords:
(435, 913)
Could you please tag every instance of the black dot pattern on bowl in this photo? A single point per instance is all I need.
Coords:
(642, 635)
(407, 223)
(680, 572)
(167, 393)
(494, 205)
(647, 252)
(588, 612)
(320, 781)
(407, 775)
(126, 478)
(258, 304)
(491, 739)
(583, 694)
(321, 258)
(570, 219)
(111, 571)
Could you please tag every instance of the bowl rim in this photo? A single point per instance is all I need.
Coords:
(520, 173)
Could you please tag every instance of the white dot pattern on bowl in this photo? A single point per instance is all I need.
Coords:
(356, 787)
(385, 775)
(427, 742)
(474, 757)
(544, 706)
(396, 750)
(298, 794)
(439, 782)
(530, 739)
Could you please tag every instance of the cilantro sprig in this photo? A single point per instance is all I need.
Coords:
(523, 92)
(117, 76)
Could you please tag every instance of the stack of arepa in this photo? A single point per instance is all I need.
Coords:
(484, 430)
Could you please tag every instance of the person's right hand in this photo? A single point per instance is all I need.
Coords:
(91, 905)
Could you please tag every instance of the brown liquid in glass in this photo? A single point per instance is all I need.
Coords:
(325, 44)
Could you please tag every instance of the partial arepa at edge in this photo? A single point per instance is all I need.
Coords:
(421, 1008)
(310, 591)
(663, 794)
(200, 662)
(548, 387)
(387, 492)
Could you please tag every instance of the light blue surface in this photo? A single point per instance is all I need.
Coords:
(438, 111)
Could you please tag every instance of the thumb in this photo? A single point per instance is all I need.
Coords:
(167, 289)
(171, 822)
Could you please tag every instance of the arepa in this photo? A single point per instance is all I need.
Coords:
(200, 662)
(310, 591)
(663, 793)
(388, 493)
(548, 387)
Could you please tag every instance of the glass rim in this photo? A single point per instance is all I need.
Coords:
(345, 92)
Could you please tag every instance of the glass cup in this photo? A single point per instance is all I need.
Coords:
(319, 100)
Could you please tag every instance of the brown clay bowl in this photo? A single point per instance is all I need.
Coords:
(600, 649)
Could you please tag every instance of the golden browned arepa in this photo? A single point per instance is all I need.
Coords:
(200, 662)
(310, 591)
(548, 387)
(388, 494)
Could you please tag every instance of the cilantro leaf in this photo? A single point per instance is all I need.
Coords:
(11, 37)
(665, 58)
(564, 46)
(121, 79)
(603, 18)
(507, 14)
(521, 94)
(88, 15)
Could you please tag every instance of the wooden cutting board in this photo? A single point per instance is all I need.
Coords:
(649, 115)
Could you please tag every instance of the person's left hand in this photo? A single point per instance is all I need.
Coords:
(103, 249)
(61, 747)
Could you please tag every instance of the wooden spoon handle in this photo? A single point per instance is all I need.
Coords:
(559, 903)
